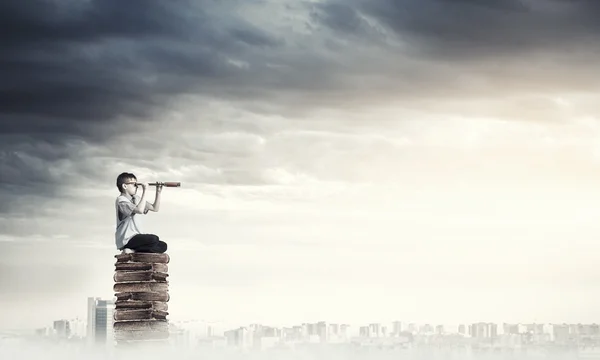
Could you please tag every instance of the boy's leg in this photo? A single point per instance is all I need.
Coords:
(161, 246)
(146, 243)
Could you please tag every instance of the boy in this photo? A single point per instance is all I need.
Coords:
(129, 208)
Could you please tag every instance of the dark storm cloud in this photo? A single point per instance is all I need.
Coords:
(67, 64)
(340, 17)
(71, 69)
(458, 57)
(467, 28)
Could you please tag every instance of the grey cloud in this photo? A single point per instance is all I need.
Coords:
(466, 28)
(343, 18)
(71, 78)
(456, 57)
(62, 71)
(73, 71)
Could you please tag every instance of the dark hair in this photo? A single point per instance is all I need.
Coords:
(122, 178)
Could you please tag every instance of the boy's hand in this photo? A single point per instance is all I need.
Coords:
(159, 188)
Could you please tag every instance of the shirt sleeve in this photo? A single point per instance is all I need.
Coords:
(125, 208)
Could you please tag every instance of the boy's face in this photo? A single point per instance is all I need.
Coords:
(130, 187)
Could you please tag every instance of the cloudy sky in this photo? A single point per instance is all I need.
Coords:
(340, 160)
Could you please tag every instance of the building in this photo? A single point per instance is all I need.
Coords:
(100, 322)
(62, 329)
(483, 330)
(78, 328)
(397, 328)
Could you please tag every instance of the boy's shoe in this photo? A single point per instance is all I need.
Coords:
(127, 251)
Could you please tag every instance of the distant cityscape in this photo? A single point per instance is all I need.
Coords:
(96, 330)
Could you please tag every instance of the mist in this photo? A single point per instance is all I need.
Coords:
(350, 162)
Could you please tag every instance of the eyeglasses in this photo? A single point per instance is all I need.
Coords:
(134, 183)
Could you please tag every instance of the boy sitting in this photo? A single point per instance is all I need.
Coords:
(129, 208)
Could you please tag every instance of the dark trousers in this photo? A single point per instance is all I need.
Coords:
(146, 243)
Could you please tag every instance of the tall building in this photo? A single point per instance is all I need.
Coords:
(322, 331)
(100, 321)
(364, 331)
(375, 330)
(483, 330)
(240, 338)
(78, 328)
(62, 329)
(560, 333)
(439, 330)
(397, 328)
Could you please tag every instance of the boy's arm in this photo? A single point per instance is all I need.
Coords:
(156, 205)
(141, 206)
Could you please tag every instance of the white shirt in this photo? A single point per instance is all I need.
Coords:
(128, 222)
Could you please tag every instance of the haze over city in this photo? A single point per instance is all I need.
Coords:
(345, 161)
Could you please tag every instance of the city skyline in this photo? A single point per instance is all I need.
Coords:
(100, 311)
(413, 325)
(527, 338)
(469, 340)
(97, 332)
(339, 159)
